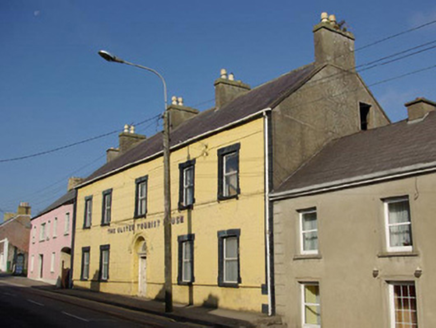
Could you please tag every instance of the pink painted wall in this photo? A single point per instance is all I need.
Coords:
(57, 237)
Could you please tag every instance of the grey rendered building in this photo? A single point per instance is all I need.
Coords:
(354, 229)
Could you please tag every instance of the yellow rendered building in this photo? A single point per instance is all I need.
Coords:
(224, 163)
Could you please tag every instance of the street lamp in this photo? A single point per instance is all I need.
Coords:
(167, 192)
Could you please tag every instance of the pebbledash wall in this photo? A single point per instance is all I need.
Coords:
(135, 246)
(50, 244)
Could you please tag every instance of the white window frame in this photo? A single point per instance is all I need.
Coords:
(55, 227)
(88, 212)
(42, 232)
(67, 223)
(303, 304)
(141, 196)
(188, 185)
(52, 262)
(226, 186)
(187, 261)
(34, 234)
(303, 232)
(48, 230)
(392, 302)
(86, 254)
(32, 263)
(388, 225)
(226, 259)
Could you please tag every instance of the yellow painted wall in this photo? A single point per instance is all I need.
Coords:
(206, 218)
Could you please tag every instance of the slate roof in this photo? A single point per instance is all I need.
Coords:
(265, 96)
(68, 198)
(396, 148)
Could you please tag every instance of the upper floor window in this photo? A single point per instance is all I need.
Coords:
(186, 259)
(55, 227)
(42, 232)
(33, 233)
(186, 186)
(228, 171)
(311, 305)
(141, 196)
(398, 224)
(88, 212)
(67, 224)
(106, 207)
(228, 258)
(308, 232)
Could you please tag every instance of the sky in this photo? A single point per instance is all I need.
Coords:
(56, 91)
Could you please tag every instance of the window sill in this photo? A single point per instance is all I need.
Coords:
(221, 197)
(66, 233)
(187, 207)
(185, 283)
(307, 257)
(397, 254)
(105, 224)
(87, 227)
(228, 285)
(142, 216)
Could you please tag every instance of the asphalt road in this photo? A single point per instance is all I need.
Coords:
(23, 306)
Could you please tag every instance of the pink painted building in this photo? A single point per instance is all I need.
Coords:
(51, 241)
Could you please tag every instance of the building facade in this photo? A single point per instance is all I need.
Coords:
(14, 240)
(224, 163)
(51, 240)
(354, 230)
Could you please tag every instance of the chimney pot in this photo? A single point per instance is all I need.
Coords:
(332, 19)
(174, 100)
(132, 129)
(126, 128)
(231, 77)
(180, 101)
(223, 73)
(324, 17)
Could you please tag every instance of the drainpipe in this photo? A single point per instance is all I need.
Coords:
(267, 214)
(73, 237)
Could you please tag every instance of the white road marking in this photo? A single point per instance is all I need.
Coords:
(11, 283)
(9, 294)
(37, 303)
(75, 316)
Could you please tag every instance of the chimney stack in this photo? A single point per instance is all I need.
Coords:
(227, 89)
(23, 209)
(333, 43)
(73, 182)
(127, 140)
(179, 113)
(419, 108)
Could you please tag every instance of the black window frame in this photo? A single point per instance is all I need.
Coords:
(102, 249)
(183, 239)
(364, 115)
(85, 225)
(221, 236)
(105, 193)
(222, 153)
(182, 169)
(138, 182)
(86, 249)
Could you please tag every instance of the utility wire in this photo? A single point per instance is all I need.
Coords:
(70, 145)
(395, 35)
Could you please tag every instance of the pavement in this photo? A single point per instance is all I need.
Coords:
(200, 315)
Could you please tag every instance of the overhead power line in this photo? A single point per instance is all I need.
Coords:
(70, 145)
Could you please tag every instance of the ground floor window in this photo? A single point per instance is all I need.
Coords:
(311, 305)
(228, 258)
(186, 259)
(403, 305)
(104, 262)
(85, 263)
(52, 263)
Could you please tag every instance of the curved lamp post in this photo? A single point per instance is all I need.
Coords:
(167, 193)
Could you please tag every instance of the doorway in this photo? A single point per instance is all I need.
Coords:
(41, 265)
(142, 276)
